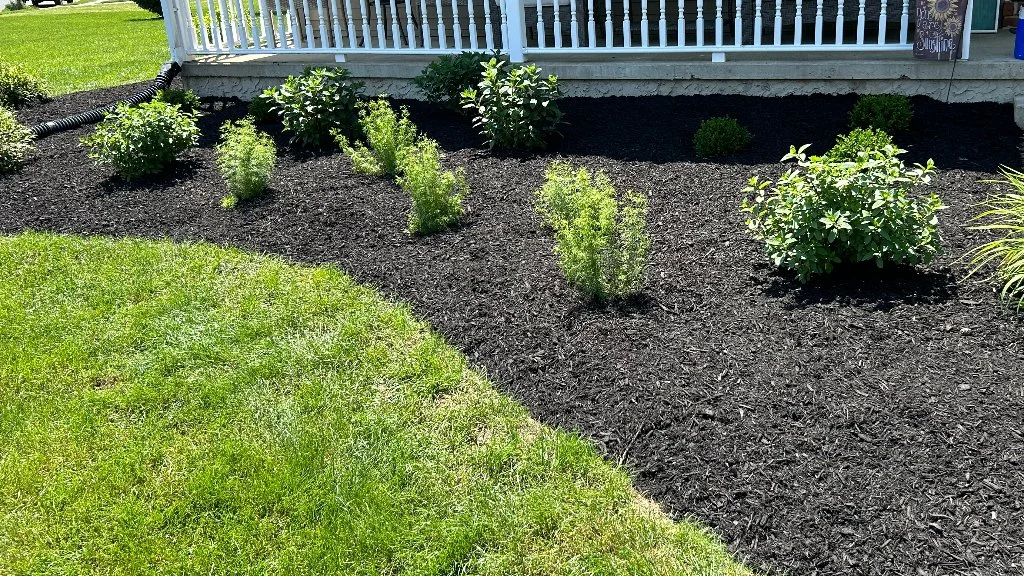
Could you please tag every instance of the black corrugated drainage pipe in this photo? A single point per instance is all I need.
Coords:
(162, 81)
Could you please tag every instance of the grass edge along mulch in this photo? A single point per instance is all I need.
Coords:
(179, 408)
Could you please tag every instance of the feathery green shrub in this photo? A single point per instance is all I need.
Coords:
(246, 158)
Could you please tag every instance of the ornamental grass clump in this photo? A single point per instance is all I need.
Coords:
(317, 105)
(1004, 214)
(859, 141)
(437, 195)
(515, 107)
(143, 140)
(719, 137)
(890, 113)
(15, 141)
(246, 157)
(18, 87)
(389, 137)
(602, 246)
(444, 80)
(828, 211)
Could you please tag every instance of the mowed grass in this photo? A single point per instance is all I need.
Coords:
(76, 48)
(187, 409)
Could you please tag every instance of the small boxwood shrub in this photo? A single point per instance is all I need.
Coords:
(246, 158)
(719, 137)
(15, 141)
(602, 247)
(829, 211)
(890, 113)
(18, 87)
(142, 140)
(859, 140)
(184, 99)
(153, 6)
(444, 80)
(437, 195)
(514, 108)
(319, 103)
(389, 136)
(262, 110)
(1004, 213)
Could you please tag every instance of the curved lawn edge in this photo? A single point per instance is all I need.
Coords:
(175, 408)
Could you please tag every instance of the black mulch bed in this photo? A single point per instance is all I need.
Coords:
(869, 423)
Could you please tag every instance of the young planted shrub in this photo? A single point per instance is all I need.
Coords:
(18, 87)
(142, 140)
(444, 80)
(514, 108)
(246, 158)
(602, 247)
(389, 136)
(890, 113)
(1004, 213)
(15, 141)
(828, 211)
(184, 99)
(860, 140)
(719, 137)
(261, 109)
(317, 104)
(437, 195)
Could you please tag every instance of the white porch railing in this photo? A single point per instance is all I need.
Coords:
(524, 28)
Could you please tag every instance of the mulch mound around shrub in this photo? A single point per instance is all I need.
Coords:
(867, 423)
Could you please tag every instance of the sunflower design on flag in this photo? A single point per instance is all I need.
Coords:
(952, 26)
(942, 10)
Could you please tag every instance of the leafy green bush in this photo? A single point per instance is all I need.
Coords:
(153, 6)
(1004, 213)
(829, 211)
(246, 158)
(317, 104)
(444, 80)
(184, 99)
(15, 141)
(142, 140)
(719, 137)
(849, 146)
(514, 108)
(388, 135)
(436, 195)
(887, 112)
(602, 247)
(261, 109)
(18, 87)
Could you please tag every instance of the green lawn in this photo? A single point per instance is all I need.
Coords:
(85, 47)
(187, 409)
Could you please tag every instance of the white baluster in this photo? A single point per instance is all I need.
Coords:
(350, 25)
(202, 25)
(266, 23)
(574, 29)
(700, 22)
(410, 28)
(504, 25)
(609, 39)
(541, 40)
(839, 24)
(681, 23)
(473, 42)
(645, 33)
(237, 9)
(860, 23)
(662, 27)
(229, 33)
(556, 24)
(280, 38)
(591, 25)
(778, 23)
(293, 25)
(819, 23)
(336, 25)
(904, 22)
(425, 24)
(365, 14)
(719, 25)
(396, 30)
(738, 21)
(627, 26)
(322, 22)
(310, 41)
(882, 17)
(757, 23)
(488, 31)
(456, 25)
(382, 39)
(442, 32)
(257, 37)
(798, 28)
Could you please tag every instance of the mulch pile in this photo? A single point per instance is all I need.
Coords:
(866, 423)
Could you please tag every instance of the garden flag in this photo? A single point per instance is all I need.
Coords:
(940, 29)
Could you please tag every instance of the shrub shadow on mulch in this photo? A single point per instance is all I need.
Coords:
(863, 284)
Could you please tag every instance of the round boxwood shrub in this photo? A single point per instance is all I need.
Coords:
(143, 140)
(18, 87)
(153, 6)
(888, 112)
(15, 141)
(719, 137)
(849, 146)
(444, 80)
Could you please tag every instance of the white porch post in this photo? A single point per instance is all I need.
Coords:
(966, 50)
(175, 32)
(515, 15)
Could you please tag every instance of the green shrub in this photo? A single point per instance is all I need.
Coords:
(436, 195)
(887, 112)
(602, 247)
(261, 109)
(15, 141)
(153, 6)
(317, 104)
(14, 6)
(829, 211)
(719, 137)
(246, 158)
(388, 135)
(444, 80)
(142, 140)
(18, 87)
(849, 146)
(514, 108)
(184, 99)
(1004, 214)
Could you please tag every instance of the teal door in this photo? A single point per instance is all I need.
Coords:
(985, 15)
